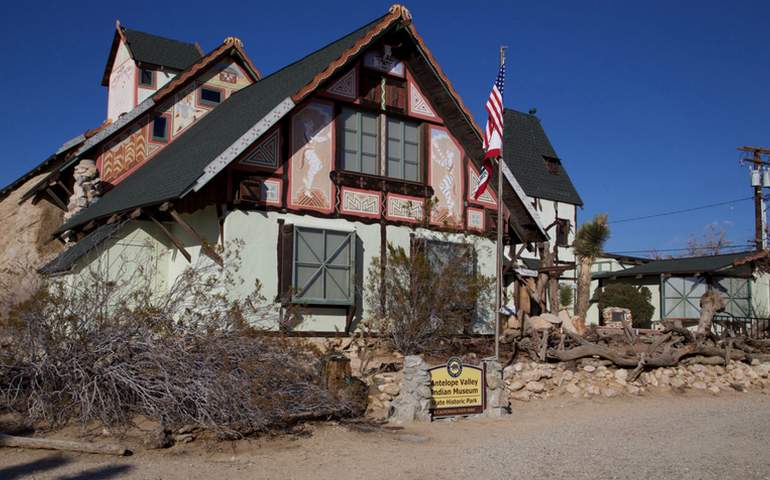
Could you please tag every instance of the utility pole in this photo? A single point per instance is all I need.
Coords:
(760, 177)
(500, 247)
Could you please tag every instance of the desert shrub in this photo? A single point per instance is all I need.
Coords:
(433, 292)
(636, 299)
(107, 348)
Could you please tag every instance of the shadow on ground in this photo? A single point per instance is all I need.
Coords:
(42, 465)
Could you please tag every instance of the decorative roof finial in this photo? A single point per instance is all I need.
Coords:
(234, 41)
(402, 12)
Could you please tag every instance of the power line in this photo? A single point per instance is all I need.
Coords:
(684, 210)
(723, 247)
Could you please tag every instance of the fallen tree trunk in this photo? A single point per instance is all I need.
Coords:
(50, 444)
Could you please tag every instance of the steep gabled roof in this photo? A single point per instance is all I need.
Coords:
(215, 141)
(175, 169)
(734, 264)
(526, 148)
(149, 49)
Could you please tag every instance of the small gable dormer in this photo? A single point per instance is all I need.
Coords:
(139, 64)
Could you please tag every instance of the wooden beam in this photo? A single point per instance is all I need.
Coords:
(207, 248)
(59, 203)
(173, 239)
(135, 214)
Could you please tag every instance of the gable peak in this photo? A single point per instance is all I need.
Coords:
(402, 12)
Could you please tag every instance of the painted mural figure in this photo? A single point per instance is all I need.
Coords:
(313, 157)
(445, 175)
(314, 137)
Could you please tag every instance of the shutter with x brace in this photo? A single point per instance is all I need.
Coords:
(323, 266)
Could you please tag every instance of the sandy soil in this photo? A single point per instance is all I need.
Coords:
(659, 437)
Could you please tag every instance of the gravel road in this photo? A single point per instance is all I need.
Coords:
(661, 437)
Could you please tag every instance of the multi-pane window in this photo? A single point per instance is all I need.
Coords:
(360, 145)
(324, 266)
(403, 150)
(360, 141)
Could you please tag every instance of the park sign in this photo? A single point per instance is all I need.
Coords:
(456, 389)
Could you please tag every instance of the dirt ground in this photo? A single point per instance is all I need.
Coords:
(663, 437)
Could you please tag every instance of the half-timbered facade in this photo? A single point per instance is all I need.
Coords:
(313, 169)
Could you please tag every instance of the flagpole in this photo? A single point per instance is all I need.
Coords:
(500, 246)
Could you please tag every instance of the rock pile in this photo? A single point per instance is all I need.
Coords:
(527, 381)
(87, 187)
(412, 402)
(383, 388)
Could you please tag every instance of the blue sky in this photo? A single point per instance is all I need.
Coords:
(645, 102)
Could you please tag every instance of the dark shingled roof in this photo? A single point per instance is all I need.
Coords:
(66, 260)
(687, 266)
(164, 52)
(525, 145)
(176, 168)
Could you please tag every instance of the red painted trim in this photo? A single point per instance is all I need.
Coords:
(293, 151)
(398, 218)
(361, 214)
(483, 219)
(430, 172)
(469, 193)
(409, 82)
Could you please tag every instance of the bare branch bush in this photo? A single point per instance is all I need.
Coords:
(431, 293)
(113, 342)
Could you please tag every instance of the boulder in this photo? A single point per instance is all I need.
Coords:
(535, 387)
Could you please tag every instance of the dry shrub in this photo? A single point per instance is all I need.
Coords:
(107, 347)
(431, 293)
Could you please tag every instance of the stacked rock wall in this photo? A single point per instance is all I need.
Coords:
(527, 381)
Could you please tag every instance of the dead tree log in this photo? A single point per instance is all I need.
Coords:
(711, 302)
(50, 444)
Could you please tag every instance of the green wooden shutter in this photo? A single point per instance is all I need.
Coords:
(324, 266)
(403, 150)
(370, 135)
(350, 140)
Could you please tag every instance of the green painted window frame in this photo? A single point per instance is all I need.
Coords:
(323, 265)
(399, 153)
(357, 150)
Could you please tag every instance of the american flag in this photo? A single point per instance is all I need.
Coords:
(493, 134)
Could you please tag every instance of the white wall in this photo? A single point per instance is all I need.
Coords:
(120, 96)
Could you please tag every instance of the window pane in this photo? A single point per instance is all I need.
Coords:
(350, 161)
(349, 119)
(394, 168)
(411, 172)
(411, 152)
(369, 123)
(369, 144)
(369, 164)
(411, 133)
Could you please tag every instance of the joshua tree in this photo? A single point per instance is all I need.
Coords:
(589, 244)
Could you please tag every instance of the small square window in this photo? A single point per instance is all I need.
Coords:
(146, 77)
(210, 96)
(160, 129)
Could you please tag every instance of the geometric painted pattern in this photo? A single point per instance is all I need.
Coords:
(417, 103)
(346, 86)
(408, 209)
(267, 152)
(476, 219)
(360, 202)
(122, 155)
(473, 182)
